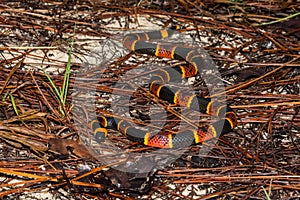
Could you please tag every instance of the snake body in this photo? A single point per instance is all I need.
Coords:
(227, 119)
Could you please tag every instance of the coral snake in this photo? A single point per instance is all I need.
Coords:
(227, 119)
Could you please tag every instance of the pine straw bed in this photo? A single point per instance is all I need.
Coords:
(42, 156)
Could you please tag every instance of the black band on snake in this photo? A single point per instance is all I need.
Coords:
(227, 119)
